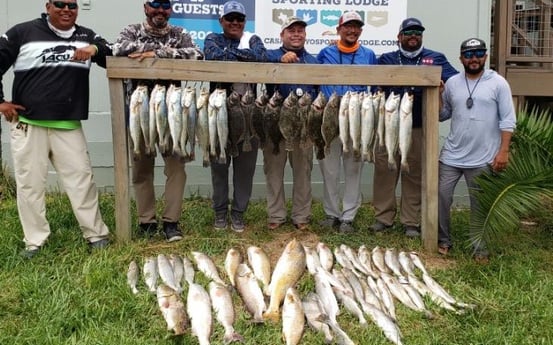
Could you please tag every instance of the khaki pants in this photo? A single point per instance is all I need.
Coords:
(301, 162)
(32, 147)
(143, 182)
(385, 183)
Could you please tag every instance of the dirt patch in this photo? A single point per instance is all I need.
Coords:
(438, 262)
(275, 247)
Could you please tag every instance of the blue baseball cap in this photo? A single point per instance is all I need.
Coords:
(233, 7)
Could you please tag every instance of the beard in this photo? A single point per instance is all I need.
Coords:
(473, 71)
(159, 22)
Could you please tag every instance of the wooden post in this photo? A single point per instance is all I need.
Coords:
(427, 77)
(429, 165)
(120, 161)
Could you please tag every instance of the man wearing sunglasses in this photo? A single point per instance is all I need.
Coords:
(51, 58)
(479, 103)
(234, 44)
(156, 38)
(411, 52)
(347, 51)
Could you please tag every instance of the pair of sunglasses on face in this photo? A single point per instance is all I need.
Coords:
(412, 33)
(61, 5)
(163, 5)
(470, 54)
(234, 17)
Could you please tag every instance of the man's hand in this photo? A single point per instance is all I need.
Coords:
(83, 54)
(142, 56)
(10, 111)
(289, 57)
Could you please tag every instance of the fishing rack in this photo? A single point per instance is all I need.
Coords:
(426, 77)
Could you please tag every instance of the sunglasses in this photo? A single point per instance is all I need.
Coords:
(61, 5)
(163, 5)
(478, 53)
(412, 33)
(233, 17)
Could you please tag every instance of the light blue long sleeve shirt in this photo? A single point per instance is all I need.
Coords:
(474, 138)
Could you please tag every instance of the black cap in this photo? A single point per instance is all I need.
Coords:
(473, 44)
(411, 23)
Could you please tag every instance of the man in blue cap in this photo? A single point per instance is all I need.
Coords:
(234, 44)
(411, 52)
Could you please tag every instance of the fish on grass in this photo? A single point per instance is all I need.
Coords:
(172, 309)
(288, 270)
(250, 292)
(221, 300)
(293, 319)
(199, 308)
(132, 276)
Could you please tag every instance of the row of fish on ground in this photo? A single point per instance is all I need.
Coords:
(365, 282)
(174, 119)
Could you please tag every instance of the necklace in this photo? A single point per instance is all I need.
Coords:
(470, 101)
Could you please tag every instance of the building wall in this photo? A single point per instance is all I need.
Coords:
(447, 23)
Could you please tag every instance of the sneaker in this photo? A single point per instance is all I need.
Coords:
(100, 244)
(330, 222)
(172, 231)
(237, 223)
(412, 231)
(379, 227)
(147, 230)
(346, 227)
(443, 249)
(220, 222)
(29, 252)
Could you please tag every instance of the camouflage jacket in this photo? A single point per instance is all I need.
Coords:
(176, 44)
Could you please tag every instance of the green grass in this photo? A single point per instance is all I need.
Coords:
(67, 295)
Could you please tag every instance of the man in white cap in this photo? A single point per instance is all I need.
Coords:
(347, 51)
(156, 38)
(293, 36)
(480, 105)
(410, 52)
(234, 44)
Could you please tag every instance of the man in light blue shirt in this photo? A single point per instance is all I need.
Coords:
(480, 106)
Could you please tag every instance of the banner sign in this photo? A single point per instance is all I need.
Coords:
(264, 18)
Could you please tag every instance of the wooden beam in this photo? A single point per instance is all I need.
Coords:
(255, 72)
(530, 82)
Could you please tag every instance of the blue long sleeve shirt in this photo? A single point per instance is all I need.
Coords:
(221, 48)
(331, 55)
(274, 55)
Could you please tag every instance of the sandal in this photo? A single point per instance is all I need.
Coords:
(443, 250)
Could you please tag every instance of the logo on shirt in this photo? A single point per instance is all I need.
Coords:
(57, 54)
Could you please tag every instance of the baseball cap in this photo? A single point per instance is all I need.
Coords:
(233, 7)
(411, 23)
(472, 44)
(349, 17)
(147, 1)
(292, 20)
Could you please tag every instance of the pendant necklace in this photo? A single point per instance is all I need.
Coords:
(470, 101)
